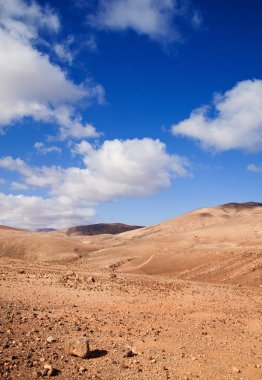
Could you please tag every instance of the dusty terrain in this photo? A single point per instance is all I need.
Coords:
(178, 329)
(181, 299)
(220, 244)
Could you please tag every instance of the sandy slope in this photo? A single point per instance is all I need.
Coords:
(219, 244)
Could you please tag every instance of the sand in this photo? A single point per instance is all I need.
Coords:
(184, 297)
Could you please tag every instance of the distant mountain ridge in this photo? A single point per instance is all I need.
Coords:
(45, 230)
(8, 228)
(101, 228)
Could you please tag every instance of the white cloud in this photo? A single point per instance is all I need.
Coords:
(153, 18)
(14, 164)
(30, 84)
(254, 168)
(32, 176)
(37, 212)
(233, 121)
(18, 186)
(23, 19)
(115, 169)
(73, 126)
(129, 168)
(63, 52)
(43, 149)
(2, 181)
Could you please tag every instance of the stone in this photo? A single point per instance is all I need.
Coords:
(44, 372)
(48, 370)
(91, 279)
(82, 369)
(79, 347)
(129, 354)
(50, 339)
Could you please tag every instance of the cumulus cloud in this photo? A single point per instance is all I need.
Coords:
(116, 169)
(153, 18)
(129, 168)
(30, 84)
(14, 164)
(254, 168)
(232, 121)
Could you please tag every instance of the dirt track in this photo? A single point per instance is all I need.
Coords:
(178, 329)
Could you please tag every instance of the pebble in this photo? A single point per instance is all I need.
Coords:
(82, 369)
(48, 370)
(129, 354)
(50, 339)
(79, 347)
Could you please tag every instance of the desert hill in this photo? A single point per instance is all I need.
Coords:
(37, 246)
(216, 244)
(100, 228)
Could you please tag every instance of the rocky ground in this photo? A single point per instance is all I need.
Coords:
(139, 327)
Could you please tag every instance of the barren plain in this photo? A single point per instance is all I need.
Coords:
(178, 300)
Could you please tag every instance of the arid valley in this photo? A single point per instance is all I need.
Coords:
(130, 190)
(178, 300)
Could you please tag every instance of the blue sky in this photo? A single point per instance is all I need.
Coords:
(127, 110)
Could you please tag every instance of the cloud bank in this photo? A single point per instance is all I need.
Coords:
(232, 121)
